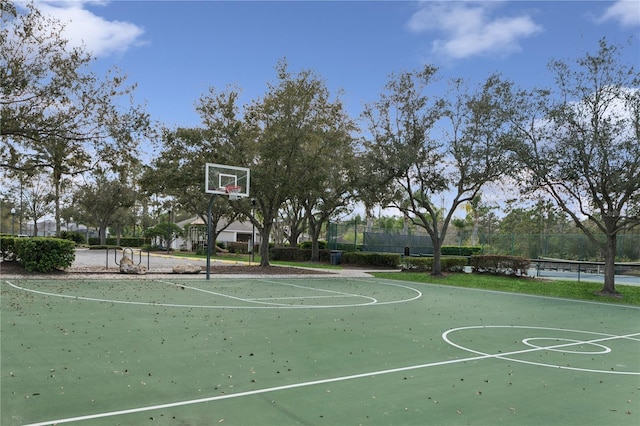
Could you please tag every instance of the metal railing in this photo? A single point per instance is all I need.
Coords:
(125, 251)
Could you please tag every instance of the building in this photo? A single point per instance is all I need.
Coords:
(196, 234)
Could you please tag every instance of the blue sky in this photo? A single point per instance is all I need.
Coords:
(176, 50)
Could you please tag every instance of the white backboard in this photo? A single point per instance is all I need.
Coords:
(227, 180)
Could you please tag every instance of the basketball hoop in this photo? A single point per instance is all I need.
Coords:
(233, 191)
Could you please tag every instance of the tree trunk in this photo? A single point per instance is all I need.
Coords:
(609, 288)
(265, 232)
(102, 231)
(315, 234)
(57, 178)
(315, 247)
(436, 269)
(294, 236)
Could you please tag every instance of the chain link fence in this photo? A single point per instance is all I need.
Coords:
(359, 237)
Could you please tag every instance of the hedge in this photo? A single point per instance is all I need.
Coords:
(460, 250)
(307, 244)
(236, 247)
(387, 260)
(74, 236)
(7, 247)
(497, 264)
(425, 264)
(295, 254)
(349, 247)
(43, 254)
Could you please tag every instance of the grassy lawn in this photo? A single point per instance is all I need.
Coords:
(565, 289)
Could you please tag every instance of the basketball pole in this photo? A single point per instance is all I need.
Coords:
(209, 235)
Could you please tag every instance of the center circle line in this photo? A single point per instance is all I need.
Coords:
(576, 343)
(508, 355)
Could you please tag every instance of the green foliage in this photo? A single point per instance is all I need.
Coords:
(460, 250)
(7, 247)
(167, 232)
(424, 264)
(497, 265)
(417, 264)
(348, 247)
(289, 254)
(128, 241)
(322, 245)
(237, 247)
(124, 242)
(387, 260)
(44, 254)
(74, 236)
(39, 133)
(296, 254)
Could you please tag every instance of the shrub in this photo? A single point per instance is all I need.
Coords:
(454, 263)
(417, 264)
(424, 264)
(284, 253)
(387, 260)
(307, 245)
(74, 236)
(7, 247)
(496, 264)
(348, 247)
(129, 241)
(290, 254)
(237, 247)
(460, 250)
(44, 254)
(294, 254)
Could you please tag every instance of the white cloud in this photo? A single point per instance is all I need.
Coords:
(82, 27)
(625, 12)
(468, 29)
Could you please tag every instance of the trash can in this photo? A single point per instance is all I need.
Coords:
(336, 257)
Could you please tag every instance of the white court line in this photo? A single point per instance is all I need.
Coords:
(262, 301)
(335, 296)
(445, 337)
(323, 381)
(372, 300)
(254, 303)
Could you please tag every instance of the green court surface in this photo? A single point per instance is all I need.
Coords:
(311, 351)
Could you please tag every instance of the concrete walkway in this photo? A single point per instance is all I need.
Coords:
(104, 264)
(154, 262)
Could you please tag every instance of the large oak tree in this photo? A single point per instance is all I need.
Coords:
(432, 150)
(55, 113)
(579, 143)
(289, 135)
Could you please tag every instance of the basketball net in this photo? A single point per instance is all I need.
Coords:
(233, 191)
